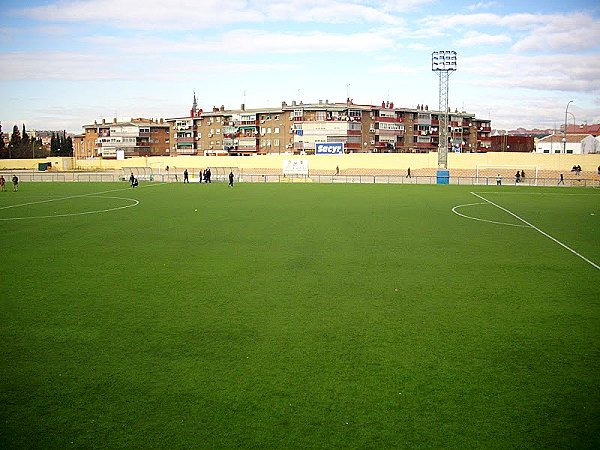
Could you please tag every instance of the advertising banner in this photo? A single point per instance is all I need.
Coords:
(295, 167)
(329, 148)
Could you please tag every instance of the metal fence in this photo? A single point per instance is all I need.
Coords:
(33, 176)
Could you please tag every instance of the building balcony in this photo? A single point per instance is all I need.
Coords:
(379, 132)
(430, 145)
(390, 119)
(185, 139)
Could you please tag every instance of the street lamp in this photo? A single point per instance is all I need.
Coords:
(565, 137)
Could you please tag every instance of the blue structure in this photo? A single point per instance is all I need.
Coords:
(443, 176)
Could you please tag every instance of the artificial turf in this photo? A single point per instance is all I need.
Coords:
(299, 316)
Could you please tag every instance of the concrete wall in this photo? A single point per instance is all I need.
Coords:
(398, 161)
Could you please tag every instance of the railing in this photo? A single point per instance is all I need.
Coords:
(32, 176)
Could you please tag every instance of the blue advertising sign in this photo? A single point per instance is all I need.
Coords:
(329, 148)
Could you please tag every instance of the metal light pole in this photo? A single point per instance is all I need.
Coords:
(443, 62)
(565, 137)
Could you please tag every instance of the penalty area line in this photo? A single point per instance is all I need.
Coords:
(592, 263)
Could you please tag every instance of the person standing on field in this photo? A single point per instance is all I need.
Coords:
(231, 179)
(408, 173)
(498, 180)
(15, 181)
(186, 178)
(561, 180)
(2, 183)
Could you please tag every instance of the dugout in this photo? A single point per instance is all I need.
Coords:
(141, 173)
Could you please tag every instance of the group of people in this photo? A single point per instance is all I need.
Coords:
(519, 177)
(577, 169)
(15, 182)
(205, 175)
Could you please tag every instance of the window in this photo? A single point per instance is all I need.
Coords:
(276, 130)
(321, 115)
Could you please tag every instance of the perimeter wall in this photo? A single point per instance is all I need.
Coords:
(356, 161)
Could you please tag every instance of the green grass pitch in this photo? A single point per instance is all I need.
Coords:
(299, 316)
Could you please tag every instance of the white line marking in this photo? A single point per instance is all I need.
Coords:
(533, 193)
(135, 203)
(454, 210)
(538, 230)
(72, 196)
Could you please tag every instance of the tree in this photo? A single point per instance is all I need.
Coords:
(15, 143)
(54, 145)
(68, 149)
(3, 148)
(24, 137)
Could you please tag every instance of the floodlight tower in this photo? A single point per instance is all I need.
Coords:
(443, 62)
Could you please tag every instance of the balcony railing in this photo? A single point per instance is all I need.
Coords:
(390, 119)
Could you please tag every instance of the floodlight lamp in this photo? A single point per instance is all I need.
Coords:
(443, 60)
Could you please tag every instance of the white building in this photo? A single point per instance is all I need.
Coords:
(575, 143)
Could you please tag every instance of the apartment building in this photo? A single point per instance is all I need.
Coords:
(136, 137)
(298, 128)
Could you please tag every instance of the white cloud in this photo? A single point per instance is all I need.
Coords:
(191, 14)
(474, 38)
(147, 14)
(482, 5)
(73, 66)
(394, 68)
(576, 32)
(552, 73)
(255, 42)
(326, 11)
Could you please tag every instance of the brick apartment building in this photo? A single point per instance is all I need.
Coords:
(137, 137)
(292, 128)
(298, 127)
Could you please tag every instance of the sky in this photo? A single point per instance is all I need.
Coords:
(66, 63)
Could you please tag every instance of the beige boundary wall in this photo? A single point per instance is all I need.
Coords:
(367, 161)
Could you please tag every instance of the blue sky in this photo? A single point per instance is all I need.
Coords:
(66, 63)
